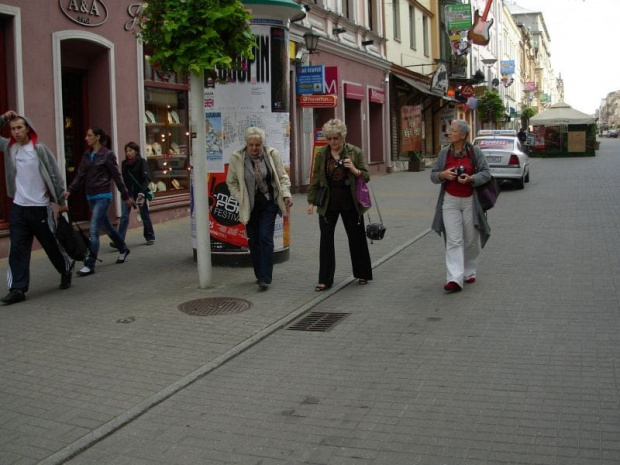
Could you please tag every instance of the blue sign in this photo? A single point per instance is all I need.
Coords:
(507, 66)
(311, 79)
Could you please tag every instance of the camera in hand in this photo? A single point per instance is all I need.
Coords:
(459, 170)
(340, 163)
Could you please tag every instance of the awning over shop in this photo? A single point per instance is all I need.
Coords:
(422, 87)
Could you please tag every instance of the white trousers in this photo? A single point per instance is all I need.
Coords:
(462, 238)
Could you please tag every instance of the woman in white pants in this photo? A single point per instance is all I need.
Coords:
(459, 168)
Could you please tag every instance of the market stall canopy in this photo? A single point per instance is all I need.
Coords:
(561, 113)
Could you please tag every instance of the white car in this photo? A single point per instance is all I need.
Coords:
(505, 154)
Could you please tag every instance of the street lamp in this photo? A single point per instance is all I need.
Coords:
(489, 62)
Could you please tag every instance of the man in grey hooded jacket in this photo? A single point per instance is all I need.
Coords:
(33, 180)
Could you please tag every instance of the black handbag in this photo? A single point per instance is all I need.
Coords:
(75, 243)
(321, 195)
(375, 231)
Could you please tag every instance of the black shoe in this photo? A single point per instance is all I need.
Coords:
(263, 286)
(123, 255)
(113, 245)
(14, 296)
(65, 280)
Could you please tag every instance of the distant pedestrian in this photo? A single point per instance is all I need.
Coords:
(96, 171)
(522, 135)
(336, 167)
(135, 170)
(257, 180)
(458, 215)
(33, 180)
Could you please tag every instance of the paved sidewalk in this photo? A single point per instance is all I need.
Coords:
(68, 368)
(519, 368)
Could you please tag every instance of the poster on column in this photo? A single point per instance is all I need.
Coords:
(254, 95)
(446, 115)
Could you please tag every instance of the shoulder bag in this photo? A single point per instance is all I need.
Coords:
(487, 192)
(148, 194)
(375, 231)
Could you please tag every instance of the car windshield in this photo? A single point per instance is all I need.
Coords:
(497, 144)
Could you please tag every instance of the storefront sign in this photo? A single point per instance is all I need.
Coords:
(439, 83)
(310, 79)
(376, 95)
(530, 87)
(90, 13)
(458, 17)
(318, 101)
(331, 80)
(133, 11)
(507, 66)
(354, 91)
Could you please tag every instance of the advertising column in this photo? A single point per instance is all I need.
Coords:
(254, 95)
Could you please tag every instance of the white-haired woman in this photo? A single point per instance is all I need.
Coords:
(336, 166)
(459, 168)
(257, 180)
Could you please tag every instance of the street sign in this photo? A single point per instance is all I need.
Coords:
(310, 79)
(467, 91)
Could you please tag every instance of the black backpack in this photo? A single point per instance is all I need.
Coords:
(75, 243)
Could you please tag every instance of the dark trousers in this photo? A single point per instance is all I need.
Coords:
(26, 223)
(358, 246)
(260, 230)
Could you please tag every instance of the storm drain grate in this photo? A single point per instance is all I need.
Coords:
(318, 321)
(215, 306)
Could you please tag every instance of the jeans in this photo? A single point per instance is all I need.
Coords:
(260, 230)
(462, 238)
(99, 220)
(148, 232)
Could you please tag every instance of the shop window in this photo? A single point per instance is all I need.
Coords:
(167, 131)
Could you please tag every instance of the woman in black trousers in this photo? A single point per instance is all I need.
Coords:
(336, 168)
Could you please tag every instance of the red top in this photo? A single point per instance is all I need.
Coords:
(455, 188)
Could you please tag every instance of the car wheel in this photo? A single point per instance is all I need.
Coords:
(527, 176)
(520, 183)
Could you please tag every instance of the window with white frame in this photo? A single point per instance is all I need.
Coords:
(396, 18)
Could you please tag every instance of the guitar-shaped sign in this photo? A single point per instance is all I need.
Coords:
(479, 32)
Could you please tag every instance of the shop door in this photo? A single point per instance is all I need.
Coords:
(75, 127)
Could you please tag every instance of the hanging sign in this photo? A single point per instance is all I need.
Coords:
(318, 101)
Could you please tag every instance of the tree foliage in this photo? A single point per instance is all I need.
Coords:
(526, 114)
(490, 107)
(196, 35)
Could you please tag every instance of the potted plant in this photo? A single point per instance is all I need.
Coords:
(415, 161)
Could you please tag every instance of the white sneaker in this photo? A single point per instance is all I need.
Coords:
(85, 271)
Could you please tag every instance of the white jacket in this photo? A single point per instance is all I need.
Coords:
(235, 179)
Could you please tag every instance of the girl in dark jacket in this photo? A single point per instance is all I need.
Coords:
(136, 177)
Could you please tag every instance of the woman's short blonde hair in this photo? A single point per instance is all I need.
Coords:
(333, 127)
(255, 133)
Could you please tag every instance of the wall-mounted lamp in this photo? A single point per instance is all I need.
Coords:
(338, 30)
(312, 41)
(366, 43)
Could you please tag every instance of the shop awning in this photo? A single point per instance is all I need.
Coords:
(422, 87)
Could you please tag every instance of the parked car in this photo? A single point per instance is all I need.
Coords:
(505, 154)
(613, 133)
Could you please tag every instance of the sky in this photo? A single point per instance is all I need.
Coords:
(585, 47)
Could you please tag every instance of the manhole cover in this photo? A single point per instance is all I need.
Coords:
(318, 321)
(215, 306)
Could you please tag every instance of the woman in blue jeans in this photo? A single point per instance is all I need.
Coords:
(135, 170)
(96, 171)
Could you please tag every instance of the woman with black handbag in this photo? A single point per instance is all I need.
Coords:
(333, 191)
(459, 217)
(135, 170)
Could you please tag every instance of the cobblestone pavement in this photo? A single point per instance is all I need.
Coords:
(519, 368)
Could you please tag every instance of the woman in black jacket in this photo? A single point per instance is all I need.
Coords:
(135, 171)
